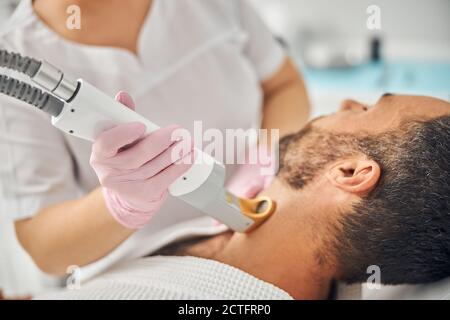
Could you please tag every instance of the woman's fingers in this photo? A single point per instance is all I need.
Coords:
(168, 157)
(146, 149)
(166, 177)
(109, 142)
(125, 99)
(135, 179)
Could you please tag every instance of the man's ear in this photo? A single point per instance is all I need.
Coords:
(355, 175)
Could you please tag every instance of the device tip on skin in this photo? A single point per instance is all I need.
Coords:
(259, 210)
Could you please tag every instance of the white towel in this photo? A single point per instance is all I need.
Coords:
(161, 278)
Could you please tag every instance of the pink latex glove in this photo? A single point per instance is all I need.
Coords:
(135, 169)
(251, 178)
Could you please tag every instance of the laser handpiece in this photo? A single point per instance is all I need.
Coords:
(82, 110)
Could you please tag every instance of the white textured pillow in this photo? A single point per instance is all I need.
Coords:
(434, 291)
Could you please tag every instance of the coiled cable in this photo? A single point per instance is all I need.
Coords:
(31, 95)
(16, 62)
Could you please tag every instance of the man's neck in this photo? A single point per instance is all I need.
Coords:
(289, 250)
(282, 252)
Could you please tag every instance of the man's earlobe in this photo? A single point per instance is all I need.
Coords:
(358, 175)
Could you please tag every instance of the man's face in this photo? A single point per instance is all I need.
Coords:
(389, 111)
(329, 138)
(357, 168)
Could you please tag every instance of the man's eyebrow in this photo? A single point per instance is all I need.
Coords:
(387, 94)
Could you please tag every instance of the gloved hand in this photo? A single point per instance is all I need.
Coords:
(252, 177)
(136, 170)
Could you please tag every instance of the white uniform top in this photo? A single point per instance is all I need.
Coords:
(197, 60)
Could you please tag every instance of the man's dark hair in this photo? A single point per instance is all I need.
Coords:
(403, 225)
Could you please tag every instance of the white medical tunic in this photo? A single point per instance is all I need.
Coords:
(197, 60)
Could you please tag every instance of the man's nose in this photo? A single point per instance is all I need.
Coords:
(353, 105)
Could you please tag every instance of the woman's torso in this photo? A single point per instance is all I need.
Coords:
(190, 67)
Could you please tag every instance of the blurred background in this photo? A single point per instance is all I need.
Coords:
(340, 57)
(18, 273)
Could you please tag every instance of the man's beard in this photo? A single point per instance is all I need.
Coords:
(303, 155)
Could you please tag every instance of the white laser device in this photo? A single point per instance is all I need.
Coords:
(80, 109)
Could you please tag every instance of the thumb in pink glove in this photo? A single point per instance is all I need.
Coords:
(135, 169)
(254, 175)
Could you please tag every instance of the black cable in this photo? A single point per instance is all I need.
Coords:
(15, 61)
(31, 95)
